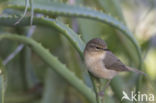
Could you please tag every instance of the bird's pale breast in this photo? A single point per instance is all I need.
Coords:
(96, 66)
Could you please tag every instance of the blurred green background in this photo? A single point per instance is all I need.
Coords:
(26, 78)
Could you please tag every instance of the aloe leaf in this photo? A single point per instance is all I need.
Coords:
(75, 40)
(115, 9)
(55, 65)
(41, 21)
(56, 9)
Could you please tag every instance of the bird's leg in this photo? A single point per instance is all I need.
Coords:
(107, 84)
(101, 93)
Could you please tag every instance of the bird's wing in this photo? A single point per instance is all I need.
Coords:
(113, 63)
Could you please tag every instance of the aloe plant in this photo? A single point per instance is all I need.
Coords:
(62, 30)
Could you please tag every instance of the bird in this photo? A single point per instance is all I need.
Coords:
(102, 63)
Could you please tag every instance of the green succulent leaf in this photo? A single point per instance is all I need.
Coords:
(57, 9)
(41, 21)
(55, 64)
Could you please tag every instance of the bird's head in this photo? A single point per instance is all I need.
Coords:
(96, 45)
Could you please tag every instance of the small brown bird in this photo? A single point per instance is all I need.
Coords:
(101, 62)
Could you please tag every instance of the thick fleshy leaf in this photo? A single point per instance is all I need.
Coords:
(55, 65)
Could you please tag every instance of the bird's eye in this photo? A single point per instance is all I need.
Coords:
(98, 48)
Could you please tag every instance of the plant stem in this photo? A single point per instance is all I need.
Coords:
(96, 87)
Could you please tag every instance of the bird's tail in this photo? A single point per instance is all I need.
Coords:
(136, 71)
